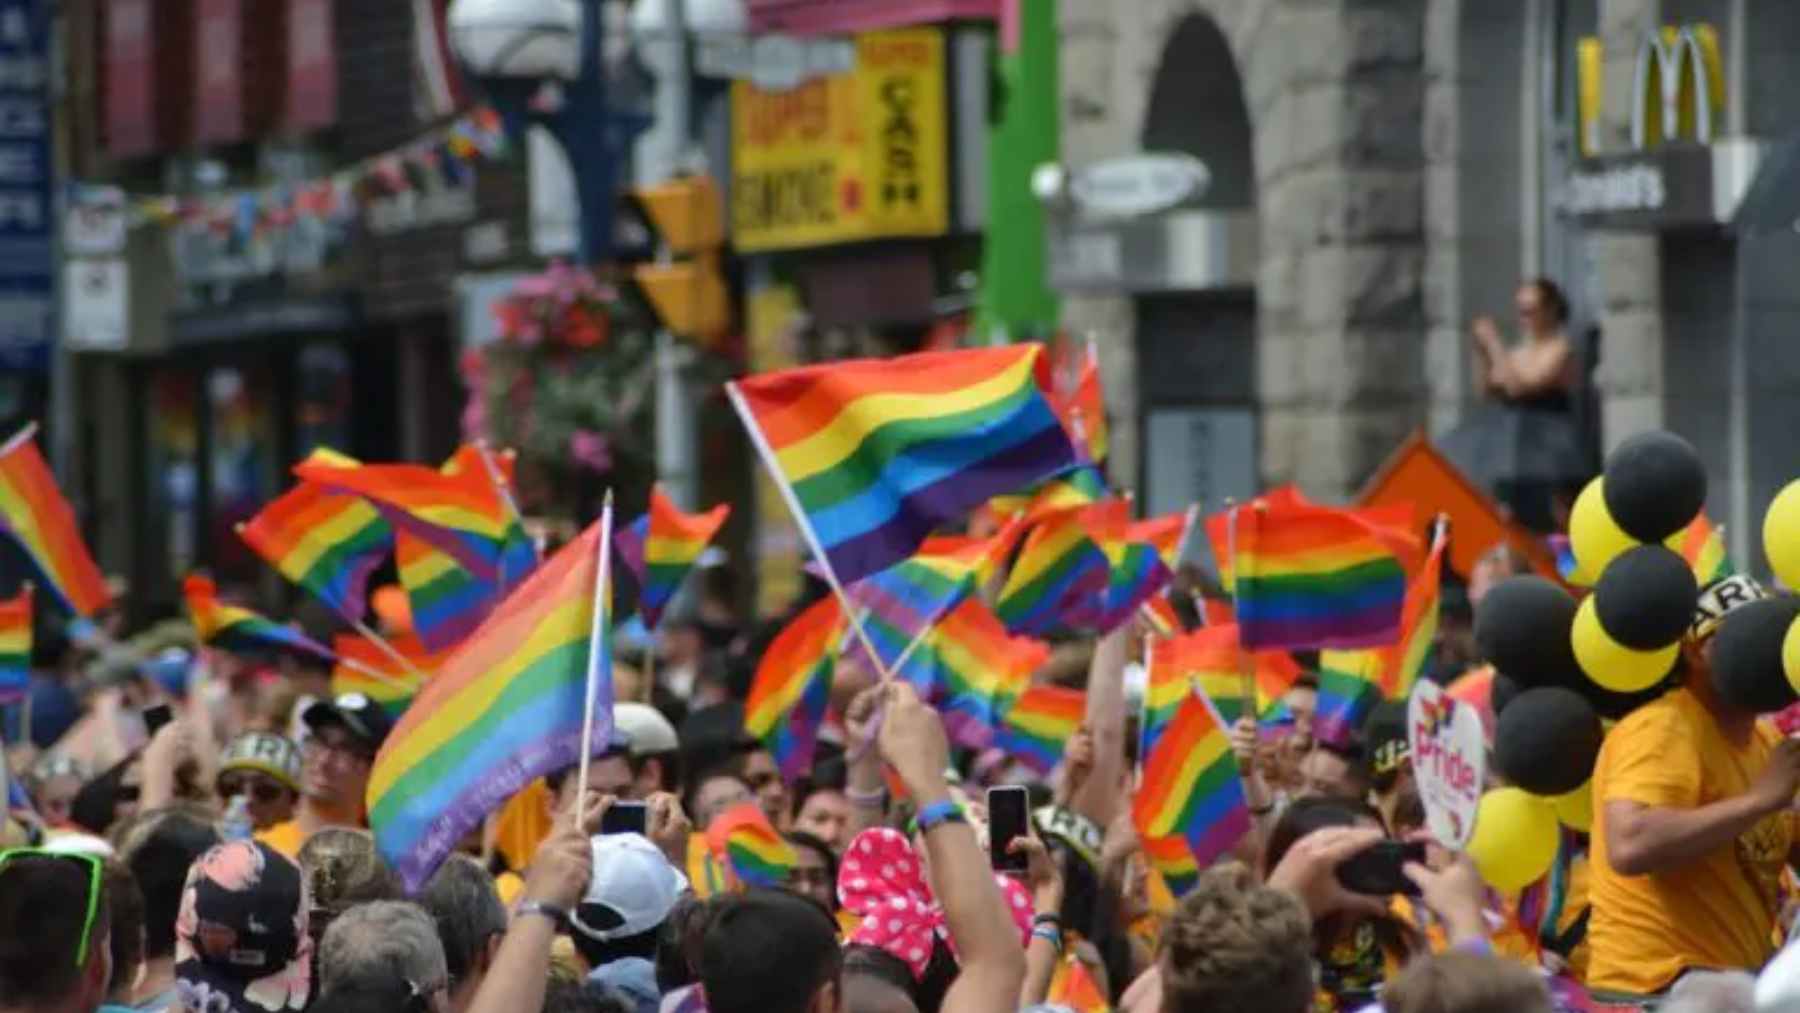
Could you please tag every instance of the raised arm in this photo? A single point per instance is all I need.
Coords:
(1099, 797)
(993, 962)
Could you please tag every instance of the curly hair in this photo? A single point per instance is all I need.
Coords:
(1235, 944)
(1468, 983)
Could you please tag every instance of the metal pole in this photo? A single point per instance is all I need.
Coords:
(675, 435)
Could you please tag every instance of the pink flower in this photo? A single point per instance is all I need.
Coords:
(591, 449)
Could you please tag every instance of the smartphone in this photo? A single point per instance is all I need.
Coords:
(155, 716)
(625, 818)
(1377, 869)
(1009, 815)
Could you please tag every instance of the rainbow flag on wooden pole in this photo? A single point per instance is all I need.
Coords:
(1352, 682)
(660, 548)
(35, 513)
(1191, 786)
(788, 696)
(1308, 576)
(235, 628)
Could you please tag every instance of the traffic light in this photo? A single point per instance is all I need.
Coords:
(684, 286)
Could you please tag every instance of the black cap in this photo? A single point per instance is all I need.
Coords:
(1384, 737)
(361, 716)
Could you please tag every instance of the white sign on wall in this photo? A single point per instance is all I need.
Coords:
(97, 304)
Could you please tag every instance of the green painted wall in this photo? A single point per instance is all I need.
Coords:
(1015, 298)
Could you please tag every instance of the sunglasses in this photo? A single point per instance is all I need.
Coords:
(256, 788)
(94, 870)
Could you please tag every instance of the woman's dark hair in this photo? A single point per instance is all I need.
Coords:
(1554, 299)
(158, 847)
(862, 960)
(678, 945)
(1303, 816)
(802, 839)
(93, 806)
(126, 904)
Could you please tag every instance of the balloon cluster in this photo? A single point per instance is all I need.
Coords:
(1561, 666)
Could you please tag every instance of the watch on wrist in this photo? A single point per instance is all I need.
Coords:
(558, 916)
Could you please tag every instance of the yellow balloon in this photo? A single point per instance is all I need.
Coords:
(1576, 809)
(1515, 839)
(1595, 536)
(1611, 664)
(1781, 534)
(1790, 655)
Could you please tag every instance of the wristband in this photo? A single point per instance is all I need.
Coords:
(1048, 918)
(876, 799)
(1049, 935)
(937, 814)
(558, 917)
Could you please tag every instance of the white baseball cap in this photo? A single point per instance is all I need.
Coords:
(645, 728)
(632, 890)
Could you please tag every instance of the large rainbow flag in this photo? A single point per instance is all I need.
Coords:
(660, 548)
(1309, 576)
(1191, 786)
(15, 646)
(34, 512)
(505, 708)
(876, 454)
(1036, 728)
(324, 541)
(1352, 682)
(787, 698)
(365, 667)
(235, 628)
(460, 512)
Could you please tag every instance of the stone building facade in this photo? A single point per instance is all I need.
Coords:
(1409, 161)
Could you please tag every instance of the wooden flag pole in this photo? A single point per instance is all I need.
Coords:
(767, 453)
(1246, 665)
(925, 631)
(386, 648)
(19, 437)
(596, 646)
(372, 672)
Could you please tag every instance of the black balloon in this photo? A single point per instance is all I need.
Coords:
(1547, 740)
(1655, 485)
(1746, 656)
(1645, 599)
(1522, 627)
(1502, 692)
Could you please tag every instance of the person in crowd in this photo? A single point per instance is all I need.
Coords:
(609, 774)
(1231, 944)
(815, 872)
(753, 932)
(1693, 827)
(1389, 762)
(567, 995)
(263, 769)
(824, 814)
(1494, 566)
(1331, 770)
(713, 792)
(55, 933)
(1465, 982)
(653, 750)
(125, 906)
(110, 799)
(242, 944)
(757, 768)
(387, 943)
(618, 924)
(343, 869)
(876, 981)
(678, 948)
(158, 848)
(344, 734)
(53, 785)
(462, 901)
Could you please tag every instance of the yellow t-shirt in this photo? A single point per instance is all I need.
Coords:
(1716, 912)
(284, 837)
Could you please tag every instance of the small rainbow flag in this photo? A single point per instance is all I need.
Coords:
(324, 541)
(1310, 576)
(1072, 987)
(1191, 785)
(505, 708)
(706, 871)
(1076, 489)
(1210, 659)
(787, 698)
(364, 667)
(1170, 858)
(1352, 682)
(462, 513)
(757, 855)
(34, 512)
(902, 602)
(1081, 405)
(660, 548)
(981, 671)
(15, 646)
(1167, 534)
(1135, 570)
(235, 628)
(1703, 546)
(1059, 568)
(1038, 725)
(876, 454)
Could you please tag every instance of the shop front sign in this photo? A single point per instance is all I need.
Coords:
(845, 157)
(1678, 88)
(1674, 187)
(1138, 184)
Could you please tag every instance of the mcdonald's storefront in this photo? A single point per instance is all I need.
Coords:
(1696, 157)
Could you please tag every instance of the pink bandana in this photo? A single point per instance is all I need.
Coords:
(883, 881)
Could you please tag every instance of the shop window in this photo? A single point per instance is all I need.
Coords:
(243, 465)
(173, 478)
(322, 408)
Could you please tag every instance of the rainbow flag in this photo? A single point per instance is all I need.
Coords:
(902, 602)
(1071, 986)
(1167, 534)
(1135, 570)
(517, 550)
(1078, 488)
(756, 854)
(980, 671)
(1311, 576)
(876, 454)
(1191, 786)
(793, 680)
(447, 601)
(1038, 725)
(235, 628)
(1210, 660)
(1170, 858)
(461, 513)
(34, 512)
(1352, 682)
(505, 708)
(1168, 682)
(324, 541)
(15, 646)
(363, 667)
(660, 547)
(1059, 569)
(1703, 546)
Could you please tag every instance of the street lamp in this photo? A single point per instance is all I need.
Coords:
(539, 62)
